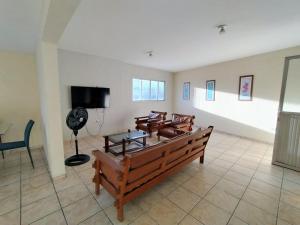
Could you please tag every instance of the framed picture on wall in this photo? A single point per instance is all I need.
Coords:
(186, 90)
(246, 87)
(210, 90)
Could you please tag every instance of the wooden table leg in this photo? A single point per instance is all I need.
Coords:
(123, 146)
(144, 141)
(106, 144)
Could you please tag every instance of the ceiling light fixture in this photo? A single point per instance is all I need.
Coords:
(222, 28)
(149, 53)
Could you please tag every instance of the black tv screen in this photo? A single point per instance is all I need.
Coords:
(90, 97)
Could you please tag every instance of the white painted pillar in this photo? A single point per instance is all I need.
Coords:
(55, 16)
(49, 88)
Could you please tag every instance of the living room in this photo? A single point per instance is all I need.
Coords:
(185, 130)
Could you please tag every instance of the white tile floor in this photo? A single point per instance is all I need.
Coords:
(237, 185)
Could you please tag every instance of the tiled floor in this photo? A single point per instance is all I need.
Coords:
(237, 185)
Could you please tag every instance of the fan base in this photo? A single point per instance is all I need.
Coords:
(76, 160)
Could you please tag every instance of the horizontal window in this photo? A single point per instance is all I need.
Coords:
(145, 90)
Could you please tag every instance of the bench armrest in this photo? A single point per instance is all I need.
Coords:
(141, 117)
(166, 122)
(181, 125)
(154, 120)
(113, 163)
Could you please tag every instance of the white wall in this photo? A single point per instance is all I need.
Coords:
(19, 98)
(255, 119)
(86, 70)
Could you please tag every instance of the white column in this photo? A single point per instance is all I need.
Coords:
(55, 16)
(49, 88)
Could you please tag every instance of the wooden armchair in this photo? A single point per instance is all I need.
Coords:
(151, 122)
(179, 124)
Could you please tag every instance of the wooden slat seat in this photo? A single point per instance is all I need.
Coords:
(137, 172)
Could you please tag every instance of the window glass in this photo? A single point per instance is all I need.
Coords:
(136, 89)
(154, 90)
(161, 90)
(143, 90)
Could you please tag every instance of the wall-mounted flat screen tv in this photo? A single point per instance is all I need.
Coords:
(90, 97)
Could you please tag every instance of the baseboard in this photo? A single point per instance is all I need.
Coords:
(36, 146)
(56, 178)
(248, 138)
(239, 136)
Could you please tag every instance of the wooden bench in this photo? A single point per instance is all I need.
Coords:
(135, 173)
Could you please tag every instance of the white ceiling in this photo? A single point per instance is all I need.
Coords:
(19, 24)
(181, 33)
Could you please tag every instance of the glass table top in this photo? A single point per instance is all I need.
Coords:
(132, 135)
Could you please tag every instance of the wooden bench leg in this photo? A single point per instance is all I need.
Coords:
(97, 178)
(202, 159)
(120, 211)
(97, 188)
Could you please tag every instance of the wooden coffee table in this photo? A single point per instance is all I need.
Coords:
(121, 141)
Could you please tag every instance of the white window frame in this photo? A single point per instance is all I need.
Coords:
(141, 100)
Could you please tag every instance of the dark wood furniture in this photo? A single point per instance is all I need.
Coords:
(179, 124)
(151, 122)
(128, 177)
(121, 141)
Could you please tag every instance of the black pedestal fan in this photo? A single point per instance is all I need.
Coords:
(76, 120)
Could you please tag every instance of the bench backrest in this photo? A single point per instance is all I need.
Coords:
(162, 115)
(151, 162)
(183, 119)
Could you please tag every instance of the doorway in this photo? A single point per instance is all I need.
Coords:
(286, 151)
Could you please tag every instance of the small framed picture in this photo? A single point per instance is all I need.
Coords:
(210, 90)
(186, 90)
(246, 87)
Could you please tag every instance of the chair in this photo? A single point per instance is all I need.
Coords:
(20, 144)
(151, 122)
(179, 124)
